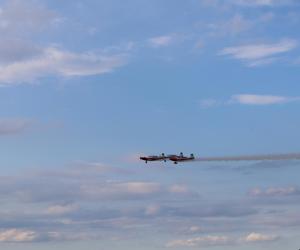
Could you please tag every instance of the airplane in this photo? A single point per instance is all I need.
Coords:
(161, 157)
(180, 158)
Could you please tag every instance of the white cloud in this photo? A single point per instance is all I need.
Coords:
(55, 62)
(15, 235)
(21, 236)
(256, 237)
(139, 187)
(249, 99)
(161, 41)
(61, 209)
(179, 189)
(23, 61)
(254, 54)
(249, 3)
(254, 3)
(259, 51)
(206, 241)
(125, 190)
(152, 210)
(201, 241)
(195, 229)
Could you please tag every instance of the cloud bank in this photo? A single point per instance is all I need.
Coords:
(213, 240)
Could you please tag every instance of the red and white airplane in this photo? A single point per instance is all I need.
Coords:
(161, 157)
(180, 158)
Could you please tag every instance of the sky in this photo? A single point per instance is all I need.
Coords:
(86, 87)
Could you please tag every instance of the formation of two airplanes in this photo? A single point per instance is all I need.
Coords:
(163, 157)
(182, 158)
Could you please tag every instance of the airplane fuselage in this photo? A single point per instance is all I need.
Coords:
(176, 158)
(153, 158)
(163, 157)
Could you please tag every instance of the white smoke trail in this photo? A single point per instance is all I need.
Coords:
(268, 157)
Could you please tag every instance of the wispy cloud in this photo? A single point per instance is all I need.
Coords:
(161, 41)
(254, 2)
(258, 54)
(93, 198)
(232, 26)
(274, 192)
(201, 241)
(23, 60)
(249, 99)
(249, 3)
(257, 237)
(85, 183)
(209, 210)
(269, 3)
(14, 126)
(221, 240)
(208, 103)
(165, 40)
(120, 191)
(56, 62)
(237, 24)
(15, 235)
(61, 209)
(19, 18)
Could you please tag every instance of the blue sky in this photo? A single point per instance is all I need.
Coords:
(89, 86)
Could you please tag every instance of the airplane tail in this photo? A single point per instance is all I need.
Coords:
(163, 155)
